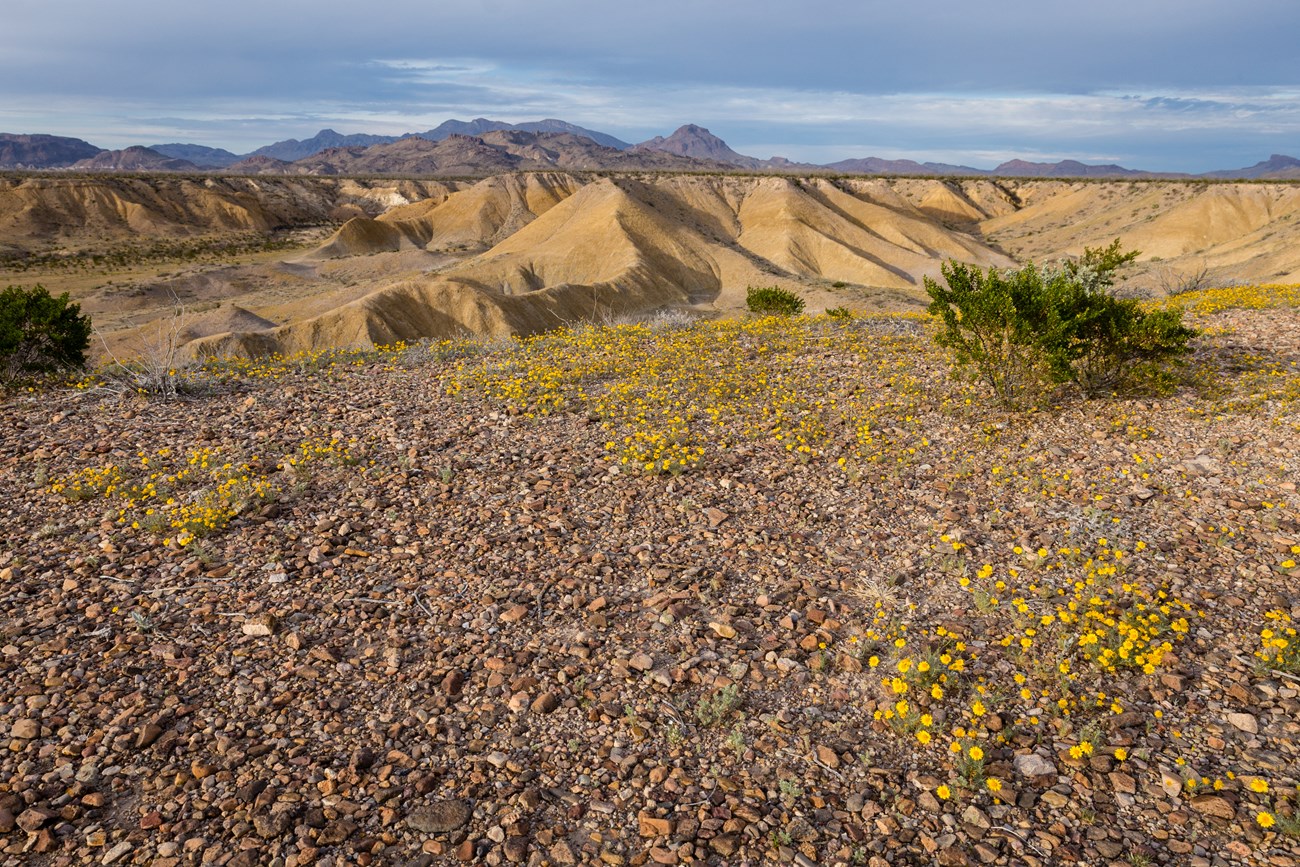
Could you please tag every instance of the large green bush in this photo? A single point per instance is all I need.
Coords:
(1024, 329)
(773, 300)
(40, 333)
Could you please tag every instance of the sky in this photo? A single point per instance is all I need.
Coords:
(1176, 85)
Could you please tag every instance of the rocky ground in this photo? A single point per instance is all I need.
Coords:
(419, 624)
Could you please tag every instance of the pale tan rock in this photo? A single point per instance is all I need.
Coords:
(25, 729)
(262, 625)
(1244, 722)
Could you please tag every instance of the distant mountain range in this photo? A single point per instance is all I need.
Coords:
(482, 146)
(492, 152)
(1277, 166)
(292, 150)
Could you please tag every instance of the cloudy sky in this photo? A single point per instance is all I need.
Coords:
(1187, 85)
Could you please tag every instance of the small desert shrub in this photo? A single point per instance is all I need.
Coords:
(668, 319)
(1173, 282)
(154, 366)
(40, 333)
(1024, 330)
(715, 709)
(773, 300)
(843, 314)
(663, 319)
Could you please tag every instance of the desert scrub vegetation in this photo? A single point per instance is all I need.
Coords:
(158, 373)
(159, 251)
(181, 497)
(671, 398)
(773, 301)
(1059, 636)
(1026, 329)
(39, 333)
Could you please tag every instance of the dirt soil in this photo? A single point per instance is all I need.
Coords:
(441, 625)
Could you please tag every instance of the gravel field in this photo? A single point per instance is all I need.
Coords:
(391, 612)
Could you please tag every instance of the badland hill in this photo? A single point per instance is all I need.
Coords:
(322, 262)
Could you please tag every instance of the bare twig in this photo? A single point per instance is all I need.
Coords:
(1178, 283)
(423, 606)
(153, 370)
(1022, 840)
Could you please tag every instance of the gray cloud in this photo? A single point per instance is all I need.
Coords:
(1182, 84)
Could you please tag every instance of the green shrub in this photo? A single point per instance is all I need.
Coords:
(1108, 344)
(841, 313)
(773, 300)
(987, 324)
(1023, 330)
(40, 333)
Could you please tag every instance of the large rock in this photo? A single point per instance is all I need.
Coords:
(1244, 722)
(1034, 767)
(34, 818)
(25, 729)
(260, 624)
(1214, 805)
(439, 817)
(546, 703)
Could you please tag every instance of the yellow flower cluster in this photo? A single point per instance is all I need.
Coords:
(183, 497)
(1086, 614)
(334, 450)
(1279, 648)
(213, 508)
(1260, 297)
(90, 482)
(671, 397)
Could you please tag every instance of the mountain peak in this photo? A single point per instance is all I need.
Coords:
(693, 140)
(481, 125)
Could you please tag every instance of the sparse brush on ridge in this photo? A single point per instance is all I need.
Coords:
(773, 301)
(1023, 330)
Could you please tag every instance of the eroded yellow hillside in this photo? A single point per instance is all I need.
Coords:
(522, 253)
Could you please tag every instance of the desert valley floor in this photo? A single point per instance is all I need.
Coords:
(664, 582)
